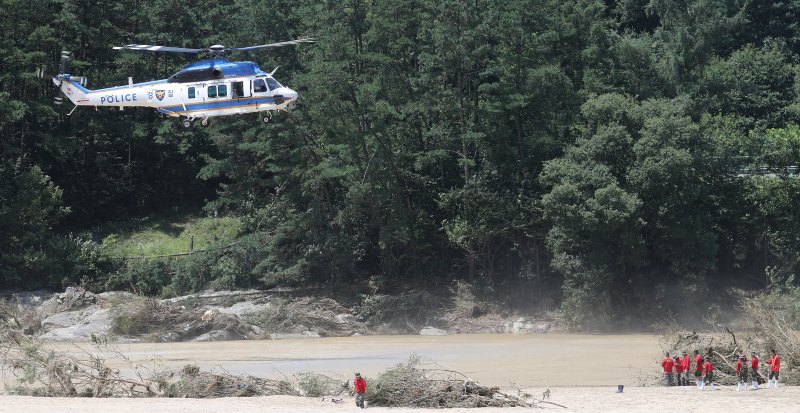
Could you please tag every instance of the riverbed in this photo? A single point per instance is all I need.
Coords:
(581, 371)
(491, 359)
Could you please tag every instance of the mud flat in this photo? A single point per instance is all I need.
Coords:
(491, 359)
(576, 399)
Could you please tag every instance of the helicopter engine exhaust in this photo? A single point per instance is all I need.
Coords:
(217, 73)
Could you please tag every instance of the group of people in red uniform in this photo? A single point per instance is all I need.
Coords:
(676, 370)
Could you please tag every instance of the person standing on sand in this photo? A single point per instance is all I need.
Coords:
(708, 374)
(360, 386)
(698, 368)
(775, 368)
(686, 362)
(754, 370)
(741, 371)
(678, 371)
(667, 363)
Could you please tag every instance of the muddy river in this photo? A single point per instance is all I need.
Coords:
(496, 359)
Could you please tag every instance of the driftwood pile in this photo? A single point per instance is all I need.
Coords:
(412, 384)
(42, 372)
(193, 383)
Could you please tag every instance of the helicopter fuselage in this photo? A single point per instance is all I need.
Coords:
(204, 89)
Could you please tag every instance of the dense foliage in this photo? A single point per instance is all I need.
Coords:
(617, 154)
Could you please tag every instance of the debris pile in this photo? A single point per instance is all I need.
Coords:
(167, 322)
(42, 372)
(412, 384)
(191, 382)
(312, 316)
(769, 329)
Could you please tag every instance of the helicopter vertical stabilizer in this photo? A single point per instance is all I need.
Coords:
(72, 88)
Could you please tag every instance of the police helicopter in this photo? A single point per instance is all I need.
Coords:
(201, 90)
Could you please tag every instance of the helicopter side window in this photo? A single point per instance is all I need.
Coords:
(273, 84)
(217, 91)
(191, 92)
(259, 86)
(237, 89)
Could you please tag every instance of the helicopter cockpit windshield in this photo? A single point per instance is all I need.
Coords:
(273, 84)
(260, 84)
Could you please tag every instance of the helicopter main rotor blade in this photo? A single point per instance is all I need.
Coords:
(150, 48)
(279, 44)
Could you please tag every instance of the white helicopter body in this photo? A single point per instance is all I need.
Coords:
(201, 90)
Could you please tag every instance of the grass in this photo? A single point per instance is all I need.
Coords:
(170, 234)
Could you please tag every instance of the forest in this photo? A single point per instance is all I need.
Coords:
(610, 157)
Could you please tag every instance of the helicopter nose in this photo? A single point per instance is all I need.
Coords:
(291, 96)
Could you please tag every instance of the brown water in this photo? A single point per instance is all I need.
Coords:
(495, 359)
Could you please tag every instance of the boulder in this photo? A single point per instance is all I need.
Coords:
(62, 320)
(432, 331)
(219, 335)
(91, 322)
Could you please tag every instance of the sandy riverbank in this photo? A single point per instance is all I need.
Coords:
(576, 399)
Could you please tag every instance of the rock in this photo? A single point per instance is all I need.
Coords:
(219, 335)
(523, 326)
(62, 320)
(432, 331)
(92, 321)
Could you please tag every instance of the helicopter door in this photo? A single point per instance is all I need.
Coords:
(237, 90)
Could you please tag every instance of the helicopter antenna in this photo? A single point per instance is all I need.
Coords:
(216, 50)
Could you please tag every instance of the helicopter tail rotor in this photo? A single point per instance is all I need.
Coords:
(65, 57)
(75, 86)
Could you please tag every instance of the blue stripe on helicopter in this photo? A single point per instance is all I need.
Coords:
(216, 105)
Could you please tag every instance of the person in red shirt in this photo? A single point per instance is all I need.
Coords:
(775, 368)
(679, 376)
(667, 363)
(754, 370)
(698, 368)
(708, 374)
(686, 362)
(360, 386)
(741, 371)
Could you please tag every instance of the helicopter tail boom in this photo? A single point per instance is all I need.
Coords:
(72, 88)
